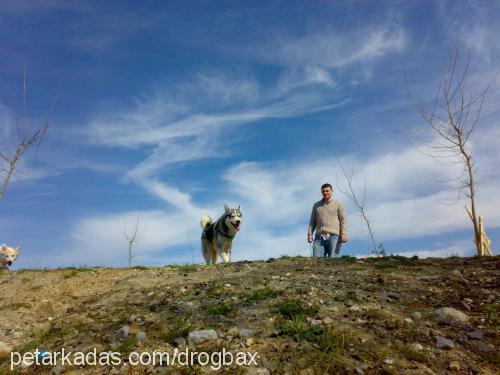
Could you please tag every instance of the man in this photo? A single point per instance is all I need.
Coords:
(328, 219)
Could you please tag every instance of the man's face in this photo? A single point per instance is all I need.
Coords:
(326, 193)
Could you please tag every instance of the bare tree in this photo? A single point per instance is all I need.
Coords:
(133, 235)
(25, 139)
(453, 117)
(359, 204)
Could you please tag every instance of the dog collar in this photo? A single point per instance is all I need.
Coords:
(226, 234)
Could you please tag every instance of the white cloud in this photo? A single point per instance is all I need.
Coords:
(337, 49)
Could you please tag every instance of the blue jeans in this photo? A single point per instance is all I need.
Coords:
(324, 247)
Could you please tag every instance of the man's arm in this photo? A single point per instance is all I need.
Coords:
(312, 224)
(344, 236)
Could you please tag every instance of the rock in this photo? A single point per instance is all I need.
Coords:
(408, 320)
(57, 370)
(485, 347)
(416, 315)
(476, 334)
(258, 371)
(233, 331)
(468, 301)
(444, 343)
(454, 366)
(141, 336)
(4, 350)
(466, 306)
(328, 320)
(245, 332)
(270, 365)
(451, 315)
(180, 341)
(416, 347)
(394, 295)
(199, 336)
(316, 322)
(123, 332)
(249, 342)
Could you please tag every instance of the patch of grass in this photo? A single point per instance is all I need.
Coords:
(492, 316)
(220, 308)
(394, 261)
(176, 328)
(294, 308)
(215, 289)
(139, 268)
(325, 338)
(71, 274)
(347, 259)
(260, 295)
(185, 267)
(127, 345)
(298, 328)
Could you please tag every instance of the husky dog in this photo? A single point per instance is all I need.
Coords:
(7, 256)
(217, 238)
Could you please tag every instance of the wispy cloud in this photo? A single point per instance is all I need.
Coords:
(336, 48)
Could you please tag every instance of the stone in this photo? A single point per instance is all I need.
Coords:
(258, 371)
(245, 332)
(476, 334)
(485, 347)
(394, 295)
(444, 343)
(466, 306)
(180, 341)
(270, 365)
(57, 370)
(416, 315)
(328, 320)
(451, 315)
(199, 336)
(454, 366)
(416, 347)
(141, 336)
(316, 322)
(123, 332)
(249, 342)
(5, 350)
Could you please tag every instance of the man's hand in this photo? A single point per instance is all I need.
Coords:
(309, 238)
(344, 238)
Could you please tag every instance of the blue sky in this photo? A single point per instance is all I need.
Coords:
(174, 109)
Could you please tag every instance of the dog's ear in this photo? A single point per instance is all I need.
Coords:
(226, 208)
(3, 248)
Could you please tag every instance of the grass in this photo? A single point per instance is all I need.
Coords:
(176, 328)
(347, 259)
(127, 345)
(394, 261)
(260, 295)
(220, 308)
(185, 267)
(294, 308)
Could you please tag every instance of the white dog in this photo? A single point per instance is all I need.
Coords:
(7, 256)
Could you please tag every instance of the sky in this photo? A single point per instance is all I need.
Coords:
(169, 110)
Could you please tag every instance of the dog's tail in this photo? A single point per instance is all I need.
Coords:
(206, 220)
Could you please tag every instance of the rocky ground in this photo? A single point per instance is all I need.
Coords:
(389, 315)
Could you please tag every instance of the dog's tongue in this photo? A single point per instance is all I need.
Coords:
(237, 227)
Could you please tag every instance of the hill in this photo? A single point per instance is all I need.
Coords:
(284, 316)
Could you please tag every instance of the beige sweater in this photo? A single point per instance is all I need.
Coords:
(328, 217)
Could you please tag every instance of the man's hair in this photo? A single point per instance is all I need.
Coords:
(326, 186)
